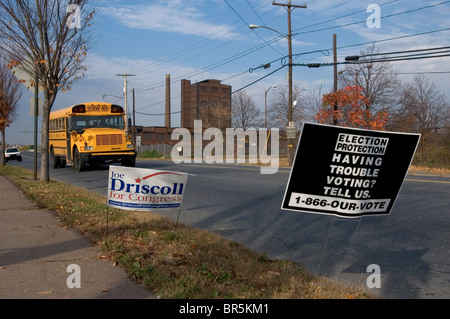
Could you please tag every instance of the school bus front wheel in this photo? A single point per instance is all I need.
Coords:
(79, 163)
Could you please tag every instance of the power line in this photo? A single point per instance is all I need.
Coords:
(402, 58)
(394, 38)
(247, 24)
(202, 43)
(438, 53)
(184, 51)
(407, 51)
(268, 30)
(197, 45)
(175, 97)
(398, 58)
(251, 50)
(360, 44)
(208, 68)
(383, 17)
(244, 53)
(406, 58)
(260, 46)
(314, 51)
(222, 62)
(427, 72)
(343, 16)
(211, 102)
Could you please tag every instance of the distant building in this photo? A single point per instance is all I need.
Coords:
(153, 135)
(209, 101)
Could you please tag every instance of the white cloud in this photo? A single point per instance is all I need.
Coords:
(104, 68)
(171, 16)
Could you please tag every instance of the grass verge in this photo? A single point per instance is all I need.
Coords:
(150, 155)
(176, 261)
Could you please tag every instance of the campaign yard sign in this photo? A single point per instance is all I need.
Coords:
(348, 172)
(145, 189)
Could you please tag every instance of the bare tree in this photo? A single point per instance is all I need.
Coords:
(244, 113)
(377, 80)
(215, 114)
(279, 107)
(313, 102)
(9, 98)
(48, 39)
(425, 108)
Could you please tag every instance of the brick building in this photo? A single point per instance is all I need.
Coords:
(209, 101)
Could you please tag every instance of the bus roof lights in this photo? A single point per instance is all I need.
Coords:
(116, 109)
(80, 108)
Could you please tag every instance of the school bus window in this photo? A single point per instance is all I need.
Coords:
(78, 123)
(84, 122)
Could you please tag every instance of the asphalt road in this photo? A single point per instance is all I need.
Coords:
(411, 245)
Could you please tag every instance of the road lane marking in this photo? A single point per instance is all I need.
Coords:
(426, 181)
(234, 167)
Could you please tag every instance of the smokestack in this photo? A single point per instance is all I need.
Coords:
(167, 117)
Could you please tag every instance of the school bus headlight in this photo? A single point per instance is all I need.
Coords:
(130, 146)
(88, 148)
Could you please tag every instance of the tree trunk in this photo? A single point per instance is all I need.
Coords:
(45, 157)
(3, 148)
(45, 174)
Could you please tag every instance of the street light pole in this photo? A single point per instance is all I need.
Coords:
(265, 104)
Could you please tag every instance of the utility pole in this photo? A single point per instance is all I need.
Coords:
(335, 78)
(134, 120)
(289, 7)
(125, 91)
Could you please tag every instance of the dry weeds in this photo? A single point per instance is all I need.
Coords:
(176, 261)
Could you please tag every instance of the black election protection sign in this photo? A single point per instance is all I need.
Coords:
(348, 172)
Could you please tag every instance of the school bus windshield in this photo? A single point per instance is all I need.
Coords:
(85, 122)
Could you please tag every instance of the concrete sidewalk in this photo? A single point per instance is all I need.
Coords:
(36, 250)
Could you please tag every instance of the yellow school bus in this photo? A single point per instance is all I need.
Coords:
(91, 134)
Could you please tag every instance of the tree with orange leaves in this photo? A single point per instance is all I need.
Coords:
(352, 110)
(9, 99)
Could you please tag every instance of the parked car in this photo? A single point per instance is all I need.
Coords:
(13, 153)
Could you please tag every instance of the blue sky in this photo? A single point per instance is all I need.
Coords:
(210, 39)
